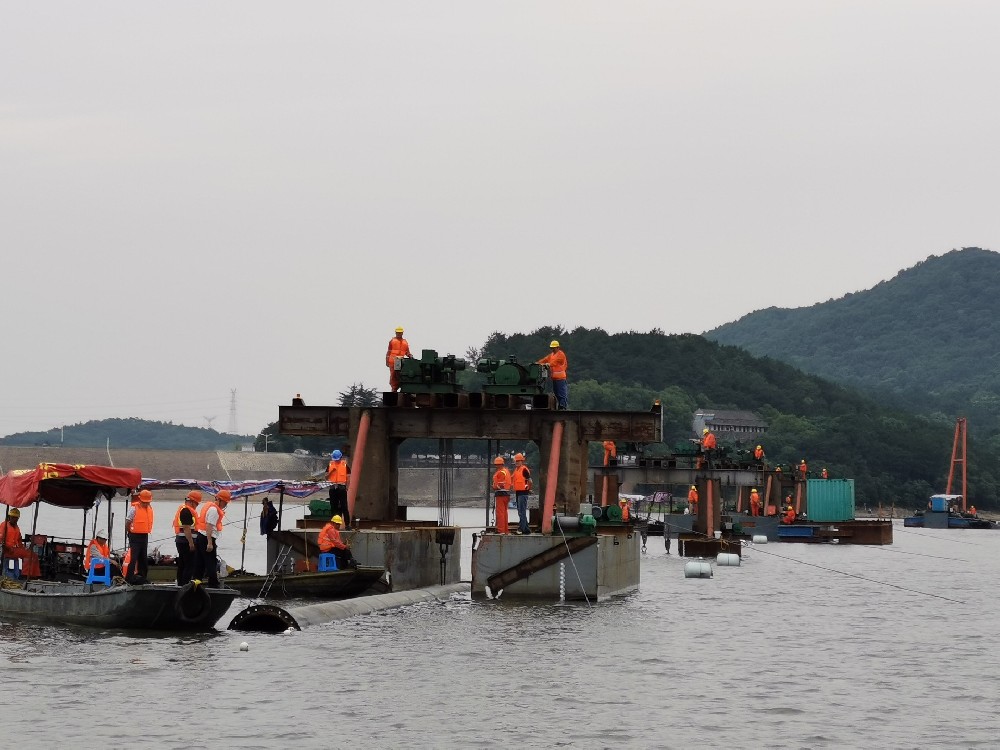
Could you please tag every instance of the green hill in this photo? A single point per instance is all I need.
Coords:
(895, 457)
(927, 341)
(130, 433)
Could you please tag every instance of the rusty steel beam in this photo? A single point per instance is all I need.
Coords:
(542, 560)
(496, 424)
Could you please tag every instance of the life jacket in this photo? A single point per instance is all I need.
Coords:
(758, 453)
(692, 496)
(177, 517)
(557, 365)
(522, 478)
(501, 480)
(329, 538)
(126, 560)
(708, 442)
(11, 536)
(103, 550)
(624, 510)
(200, 523)
(754, 497)
(336, 472)
(142, 521)
(397, 348)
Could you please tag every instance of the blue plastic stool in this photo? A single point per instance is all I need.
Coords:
(327, 562)
(12, 567)
(94, 577)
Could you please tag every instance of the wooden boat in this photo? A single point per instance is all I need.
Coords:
(337, 584)
(190, 607)
(146, 607)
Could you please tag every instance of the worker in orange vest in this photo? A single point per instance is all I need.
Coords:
(98, 549)
(789, 516)
(825, 474)
(332, 542)
(501, 490)
(558, 365)
(139, 525)
(184, 536)
(610, 453)
(521, 480)
(398, 347)
(338, 474)
(13, 548)
(803, 469)
(758, 453)
(708, 444)
(693, 500)
(972, 510)
(754, 502)
(623, 502)
(209, 527)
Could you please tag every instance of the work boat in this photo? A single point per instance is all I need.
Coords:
(45, 591)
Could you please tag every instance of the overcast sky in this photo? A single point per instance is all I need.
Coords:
(197, 197)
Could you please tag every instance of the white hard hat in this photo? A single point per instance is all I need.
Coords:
(101, 534)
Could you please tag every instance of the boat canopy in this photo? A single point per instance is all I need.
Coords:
(65, 485)
(238, 489)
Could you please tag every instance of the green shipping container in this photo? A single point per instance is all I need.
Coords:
(830, 499)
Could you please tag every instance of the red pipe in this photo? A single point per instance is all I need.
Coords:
(709, 509)
(359, 460)
(551, 479)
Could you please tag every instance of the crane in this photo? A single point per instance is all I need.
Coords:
(961, 433)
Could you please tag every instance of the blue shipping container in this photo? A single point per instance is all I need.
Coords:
(830, 499)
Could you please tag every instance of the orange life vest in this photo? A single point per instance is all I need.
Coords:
(692, 496)
(522, 478)
(101, 550)
(557, 365)
(142, 521)
(336, 472)
(397, 348)
(624, 510)
(708, 442)
(501, 480)
(177, 517)
(758, 453)
(200, 523)
(11, 536)
(329, 538)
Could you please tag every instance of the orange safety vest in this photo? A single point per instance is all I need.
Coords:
(803, 468)
(101, 550)
(708, 442)
(142, 521)
(397, 348)
(200, 523)
(758, 453)
(336, 472)
(522, 478)
(624, 510)
(177, 517)
(826, 474)
(11, 536)
(754, 497)
(329, 538)
(557, 364)
(501, 480)
(126, 560)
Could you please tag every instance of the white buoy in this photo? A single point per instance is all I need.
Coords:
(697, 570)
(289, 631)
(759, 539)
(244, 646)
(727, 558)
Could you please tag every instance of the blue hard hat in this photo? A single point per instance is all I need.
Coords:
(336, 455)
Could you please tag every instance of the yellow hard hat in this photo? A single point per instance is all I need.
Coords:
(554, 344)
(622, 500)
(399, 329)
(13, 513)
(337, 519)
(498, 460)
(693, 487)
(758, 446)
(704, 431)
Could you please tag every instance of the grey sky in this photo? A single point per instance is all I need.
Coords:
(201, 196)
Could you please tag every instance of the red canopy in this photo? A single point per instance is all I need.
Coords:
(66, 485)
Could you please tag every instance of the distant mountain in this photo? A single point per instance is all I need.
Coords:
(130, 433)
(928, 340)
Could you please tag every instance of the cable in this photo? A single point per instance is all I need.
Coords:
(575, 570)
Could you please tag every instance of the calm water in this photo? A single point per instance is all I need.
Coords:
(792, 650)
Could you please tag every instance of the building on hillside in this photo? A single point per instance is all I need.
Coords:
(730, 425)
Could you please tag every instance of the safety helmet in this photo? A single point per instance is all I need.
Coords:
(225, 495)
(758, 446)
(705, 431)
(803, 460)
(753, 489)
(498, 461)
(337, 519)
(336, 455)
(693, 487)
(622, 500)
(554, 344)
(518, 456)
(194, 495)
(399, 329)
(101, 534)
(145, 496)
(13, 513)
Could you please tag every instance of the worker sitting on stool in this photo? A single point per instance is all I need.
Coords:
(330, 541)
(789, 516)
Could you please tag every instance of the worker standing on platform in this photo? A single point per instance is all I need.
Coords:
(398, 347)
(15, 549)
(209, 525)
(758, 454)
(558, 365)
(139, 525)
(338, 474)
(825, 474)
(623, 502)
(522, 488)
(803, 469)
(693, 500)
(610, 453)
(754, 502)
(708, 444)
(184, 531)
(501, 490)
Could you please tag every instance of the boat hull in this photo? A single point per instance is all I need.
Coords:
(146, 607)
(338, 584)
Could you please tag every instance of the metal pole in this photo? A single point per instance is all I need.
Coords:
(243, 553)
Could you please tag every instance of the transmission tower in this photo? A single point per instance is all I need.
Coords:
(209, 420)
(232, 412)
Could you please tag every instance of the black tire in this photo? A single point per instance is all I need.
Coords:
(192, 604)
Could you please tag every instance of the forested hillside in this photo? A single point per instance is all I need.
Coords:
(927, 341)
(894, 456)
(130, 433)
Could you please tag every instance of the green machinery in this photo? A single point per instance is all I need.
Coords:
(430, 373)
(512, 378)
